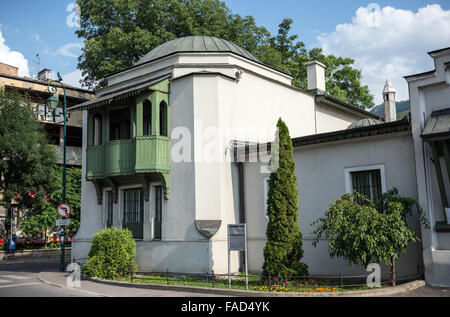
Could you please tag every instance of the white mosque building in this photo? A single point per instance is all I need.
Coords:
(161, 157)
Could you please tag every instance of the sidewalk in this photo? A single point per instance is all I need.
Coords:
(34, 254)
(58, 279)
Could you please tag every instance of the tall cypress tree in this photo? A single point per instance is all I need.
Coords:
(284, 246)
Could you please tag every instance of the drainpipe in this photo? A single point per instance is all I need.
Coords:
(241, 210)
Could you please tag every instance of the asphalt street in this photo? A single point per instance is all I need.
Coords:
(20, 280)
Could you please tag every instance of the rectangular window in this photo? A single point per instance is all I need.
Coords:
(367, 183)
(109, 209)
(158, 213)
(120, 124)
(133, 211)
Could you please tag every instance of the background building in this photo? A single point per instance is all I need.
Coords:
(429, 94)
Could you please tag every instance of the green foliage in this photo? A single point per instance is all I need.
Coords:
(118, 33)
(284, 247)
(41, 215)
(26, 157)
(361, 234)
(111, 254)
(408, 205)
(343, 81)
(403, 107)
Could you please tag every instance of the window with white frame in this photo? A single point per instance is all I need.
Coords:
(366, 180)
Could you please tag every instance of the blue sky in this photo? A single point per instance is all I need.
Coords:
(386, 38)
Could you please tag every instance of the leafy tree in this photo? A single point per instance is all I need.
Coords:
(26, 157)
(118, 33)
(41, 215)
(289, 55)
(284, 246)
(360, 233)
(39, 223)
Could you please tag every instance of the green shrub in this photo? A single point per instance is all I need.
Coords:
(111, 254)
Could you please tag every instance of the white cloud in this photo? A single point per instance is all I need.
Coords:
(70, 50)
(73, 78)
(37, 37)
(13, 58)
(73, 19)
(389, 42)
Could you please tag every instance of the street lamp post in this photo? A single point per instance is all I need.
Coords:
(52, 102)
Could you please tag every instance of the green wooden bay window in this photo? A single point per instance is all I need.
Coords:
(128, 134)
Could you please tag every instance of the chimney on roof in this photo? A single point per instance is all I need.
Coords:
(315, 73)
(44, 74)
(390, 109)
(9, 70)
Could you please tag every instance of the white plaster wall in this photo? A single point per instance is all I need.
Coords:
(320, 180)
(330, 119)
(248, 110)
(91, 213)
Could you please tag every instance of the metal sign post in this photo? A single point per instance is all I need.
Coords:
(237, 241)
(64, 211)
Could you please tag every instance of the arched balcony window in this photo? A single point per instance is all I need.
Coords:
(97, 130)
(163, 119)
(147, 118)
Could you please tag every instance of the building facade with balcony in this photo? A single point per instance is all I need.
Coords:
(158, 146)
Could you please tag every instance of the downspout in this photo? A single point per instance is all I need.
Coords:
(241, 209)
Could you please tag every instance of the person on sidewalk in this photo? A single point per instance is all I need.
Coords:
(11, 246)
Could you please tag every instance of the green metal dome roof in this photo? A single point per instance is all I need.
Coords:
(197, 44)
(364, 123)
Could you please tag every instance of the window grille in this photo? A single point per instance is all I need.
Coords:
(133, 212)
(367, 183)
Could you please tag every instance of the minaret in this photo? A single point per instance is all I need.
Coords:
(390, 110)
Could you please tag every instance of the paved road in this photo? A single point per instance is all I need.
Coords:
(21, 280)
(426, 291)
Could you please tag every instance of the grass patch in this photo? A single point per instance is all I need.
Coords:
(255, 283)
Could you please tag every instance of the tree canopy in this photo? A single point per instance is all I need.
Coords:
(42, 215)
(362, 232)
(26, 157)
(118, 33)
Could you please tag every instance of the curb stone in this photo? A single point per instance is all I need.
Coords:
(41, 279)
(366, 293)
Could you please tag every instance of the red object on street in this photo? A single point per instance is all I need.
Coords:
(1, 241)
(57, 239)
(28, 241)
(69, 239)
(51, 239)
